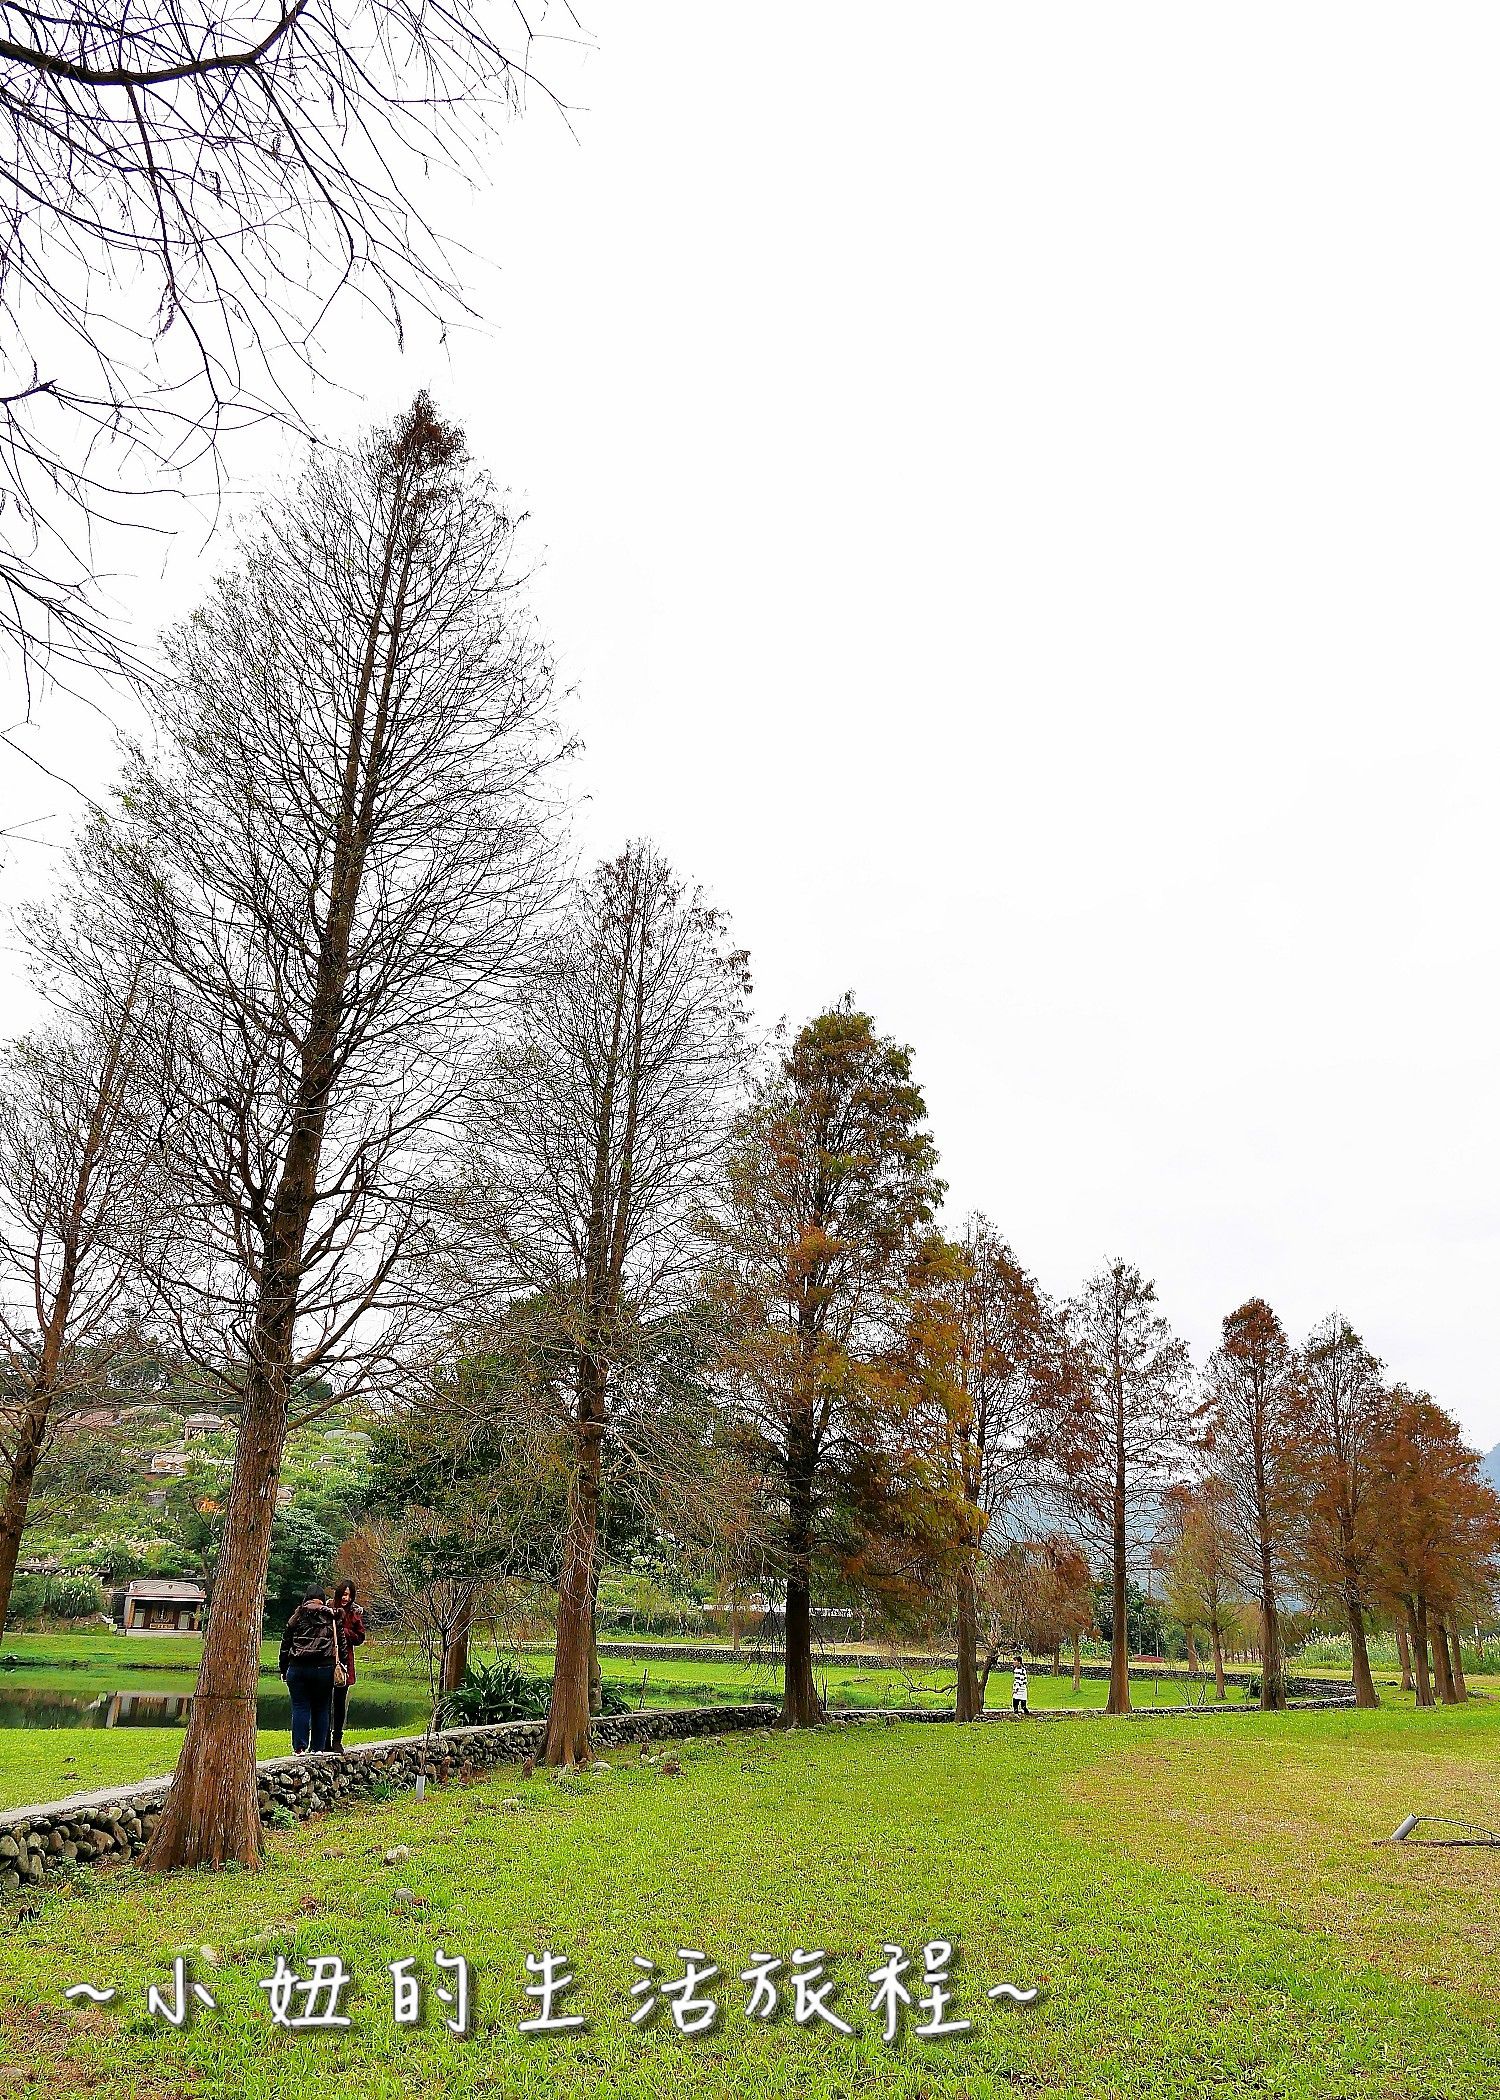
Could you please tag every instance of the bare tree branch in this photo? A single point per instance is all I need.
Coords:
(185, 194)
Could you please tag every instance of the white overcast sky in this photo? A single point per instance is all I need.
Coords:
(1019, 494)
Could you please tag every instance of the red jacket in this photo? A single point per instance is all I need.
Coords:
(352, 1627)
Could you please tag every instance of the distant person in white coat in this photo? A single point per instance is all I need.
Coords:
(1018, 1686)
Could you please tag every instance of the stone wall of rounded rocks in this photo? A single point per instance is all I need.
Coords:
(116, 1824)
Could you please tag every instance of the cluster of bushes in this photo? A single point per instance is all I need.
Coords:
(69, 1594)
(1330, 1651)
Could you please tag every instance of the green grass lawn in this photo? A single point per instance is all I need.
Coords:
(675, 1683)
(38, 1764)
(106, 1654)
(44, 1764)
(1200, 1903)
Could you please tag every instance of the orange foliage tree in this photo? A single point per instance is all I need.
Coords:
(1037, 1594)
(989, 1356)
(831, 1183)
(1437, 1529)
(1194, 1552)
(1339, 1415)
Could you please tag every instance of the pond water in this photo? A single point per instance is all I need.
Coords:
(23, 1706)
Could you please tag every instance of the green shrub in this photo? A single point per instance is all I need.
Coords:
(1330, 1651)
(26, 1597)
(73, 1596)
(61, 1596)
(493, 1692)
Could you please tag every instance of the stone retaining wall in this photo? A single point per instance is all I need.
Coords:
(114, 1825)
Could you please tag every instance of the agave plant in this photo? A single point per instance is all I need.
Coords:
(492, 1692)
(496, 1691)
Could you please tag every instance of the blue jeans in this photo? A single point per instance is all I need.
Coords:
(312, 1699)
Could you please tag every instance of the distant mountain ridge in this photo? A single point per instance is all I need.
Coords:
(1492, 1467)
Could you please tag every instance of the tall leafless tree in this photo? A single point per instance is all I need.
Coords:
(593, 1154)
(338, 857)
(1134, 1431)
(1250, 1388)
(1340, 1413)
(185, 192)
(79, 1195)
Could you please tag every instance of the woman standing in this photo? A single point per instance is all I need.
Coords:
(311, 1647)
(351, 1621)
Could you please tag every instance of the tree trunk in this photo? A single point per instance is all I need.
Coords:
(596, 1675)
(1364, 1683)
(1118, 1701)
(1216, 1639)
(1418, 1621)
(1461, 1690)
(212, 1814)
(1441, 1669)
(456, 1653)
(567, 1740)
(31, 1434)
(799, 1699)
(1192, 1648)
(968, 1702)
(1403, 1654)
(991, 1657)
(1272, 1653)
(1077, 1665)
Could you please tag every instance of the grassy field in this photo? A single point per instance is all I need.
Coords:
(41, 1763)
(674, 1682)
(45, 1763)
(1200, 1903)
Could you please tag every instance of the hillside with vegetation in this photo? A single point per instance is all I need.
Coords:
(135, 1486)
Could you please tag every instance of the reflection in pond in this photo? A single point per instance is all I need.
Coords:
(23, 1707)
